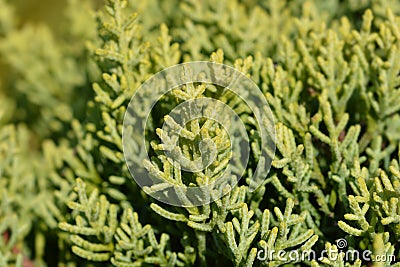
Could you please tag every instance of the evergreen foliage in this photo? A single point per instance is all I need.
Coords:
(330, 71)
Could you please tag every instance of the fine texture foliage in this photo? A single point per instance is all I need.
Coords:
(330, 71)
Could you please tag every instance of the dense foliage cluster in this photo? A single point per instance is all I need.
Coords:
(330, 71)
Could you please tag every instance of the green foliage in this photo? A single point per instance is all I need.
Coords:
(330, 71)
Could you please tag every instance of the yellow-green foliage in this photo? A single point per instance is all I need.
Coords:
(330, 71)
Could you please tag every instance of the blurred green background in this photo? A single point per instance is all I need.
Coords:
(47, 11)
(43, 11)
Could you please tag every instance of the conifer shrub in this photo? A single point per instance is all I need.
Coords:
(329, 71)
